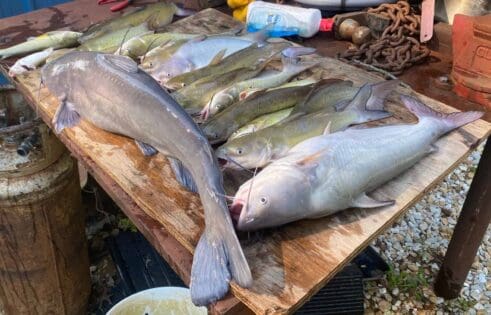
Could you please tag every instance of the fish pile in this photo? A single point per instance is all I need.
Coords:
(233, 100)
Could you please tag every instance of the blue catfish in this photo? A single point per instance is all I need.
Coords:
(111, 92)
(330, 173)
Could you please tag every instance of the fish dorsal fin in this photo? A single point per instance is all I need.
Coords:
(327, 130)
(218, 57)
(311, 160)
(121, 62)
(321, 85)
(363, 201)
(65, 117)
(197, 39)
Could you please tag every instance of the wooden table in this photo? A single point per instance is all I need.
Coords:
(289, 264)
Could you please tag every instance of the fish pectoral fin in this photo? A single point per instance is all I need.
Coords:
(146, 149)
(65, 117)
(183, 175)
(363, 201)
(218, 57)
(121, 62)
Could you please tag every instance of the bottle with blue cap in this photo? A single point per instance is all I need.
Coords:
(286, 20)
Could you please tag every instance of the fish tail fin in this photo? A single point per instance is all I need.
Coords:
(260, 36)
(181, 11)
(449, 121)
(218, 258)
(360, 105)
(290, 58)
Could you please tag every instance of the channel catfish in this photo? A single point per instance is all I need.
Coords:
(291, 67)
(330, 173)
(243, 58)
(260, 148)
(111, 92)
(222, 125)
(156, 15)
(203, 51)
(55, 39)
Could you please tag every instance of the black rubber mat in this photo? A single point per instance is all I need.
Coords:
(140, 267)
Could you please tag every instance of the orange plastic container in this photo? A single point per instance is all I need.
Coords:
(471, 72)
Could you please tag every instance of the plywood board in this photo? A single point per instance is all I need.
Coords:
(291, 263)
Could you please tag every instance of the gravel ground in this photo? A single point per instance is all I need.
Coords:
(415, 247)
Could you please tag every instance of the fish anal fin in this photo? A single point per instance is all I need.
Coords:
(65, 117)
(183, 176)
(121, 62)
(146, 149)
(218, 57)
(363, 201)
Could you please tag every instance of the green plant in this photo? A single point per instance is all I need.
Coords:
(407, 282)
(126, 225)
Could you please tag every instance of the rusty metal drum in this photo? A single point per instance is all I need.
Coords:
(44, 266)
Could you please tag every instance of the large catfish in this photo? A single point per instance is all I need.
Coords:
(329, 173)
(113, 94)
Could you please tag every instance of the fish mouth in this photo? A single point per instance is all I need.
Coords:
(222, 162)
(235, 211)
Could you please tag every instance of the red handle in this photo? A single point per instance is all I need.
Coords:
(120, 6)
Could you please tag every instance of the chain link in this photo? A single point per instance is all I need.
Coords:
(397, 49)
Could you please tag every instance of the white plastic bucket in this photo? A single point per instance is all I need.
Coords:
(158, 301)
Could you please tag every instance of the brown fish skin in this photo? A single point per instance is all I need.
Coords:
(111, 92)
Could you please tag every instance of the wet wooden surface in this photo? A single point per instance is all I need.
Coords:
(289, 264)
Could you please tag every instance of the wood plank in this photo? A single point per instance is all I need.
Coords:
(289, 264)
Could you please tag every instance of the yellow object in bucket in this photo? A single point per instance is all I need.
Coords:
(240, 8)
(158, 301)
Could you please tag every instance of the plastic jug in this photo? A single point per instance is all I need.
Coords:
(285, 20)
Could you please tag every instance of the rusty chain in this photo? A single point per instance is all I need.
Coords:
(397, 48)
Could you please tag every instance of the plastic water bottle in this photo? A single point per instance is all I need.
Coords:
(286, 20)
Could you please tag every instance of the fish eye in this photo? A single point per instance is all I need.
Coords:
(239, 151)
(151, 64)
(263, 200)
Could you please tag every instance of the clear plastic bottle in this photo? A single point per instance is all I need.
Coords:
(287, 20)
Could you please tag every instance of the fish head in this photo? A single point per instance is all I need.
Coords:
(247, 151)
(276, 196)
(170, 68)
(215, 130)
(219, 102)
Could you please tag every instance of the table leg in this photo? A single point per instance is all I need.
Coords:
(469, 231)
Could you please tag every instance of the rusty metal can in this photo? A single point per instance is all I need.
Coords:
(44, 266)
